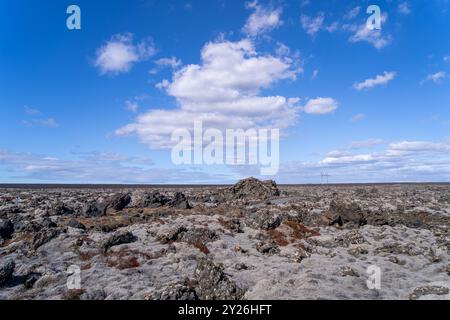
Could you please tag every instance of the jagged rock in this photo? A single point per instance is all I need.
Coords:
(172, 235)
(264, 219)
(76, 224)
(6, 229)
(6, 271)
(60, 209)
(198, 235)
(347, 271)
(31, 279)
(267, 248)
(44, 236)
(349, 238)
(118, 239)
(343, 213)
(179, 201)
(180, 291)
(427, 290)
(119, 201)
(214, 284)
(94, 210)
(253, 188)
(149, 200)
(48, 223)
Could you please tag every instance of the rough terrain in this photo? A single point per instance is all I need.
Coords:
(254, 240)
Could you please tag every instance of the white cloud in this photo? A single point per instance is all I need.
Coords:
(45, 122)
(419, 161)
(358, 117)
(97, 167)
(223, 91)
(353, 13)
(320, 106)
(262, 19)
(383, 79)
(41, 121)
(312, 25)
(436, 77)
(132, 106)
(120, 53)
(32, 111)
(446, 58)
(169, 62)
(315, 74)
(374, 37)
(404, 8)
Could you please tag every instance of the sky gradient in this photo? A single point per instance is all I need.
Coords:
(97, 105)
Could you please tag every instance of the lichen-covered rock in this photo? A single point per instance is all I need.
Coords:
(94, 209)
(253, 188)
(6, 271)
(6, 229)
(76, 224)
(267, 248)
(179, 201)
(214, 284)
(179, 291)
(428, 290)
(343, 213)
(44, 236)
(118, 239)
(264, 219)
(119, 201)
(60, 209)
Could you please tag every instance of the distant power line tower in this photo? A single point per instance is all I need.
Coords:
(324, 177)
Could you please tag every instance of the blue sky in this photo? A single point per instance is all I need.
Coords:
(97, 105)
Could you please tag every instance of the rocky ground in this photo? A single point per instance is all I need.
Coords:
(254, 240)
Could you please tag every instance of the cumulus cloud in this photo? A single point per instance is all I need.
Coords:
(375, 37)
(383, 79)
(437, 77)
(405, 161)
(320, 106)
(223, 91)
(262, 19)
(120, 53)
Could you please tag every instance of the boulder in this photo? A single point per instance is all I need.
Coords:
(264, 219)
(119, 201)
(214, 284)
(76, 224)
(6, 271)
(94, 209)
(60, 209)
(6, 229)
(343, 213)
(253, 188)
(179, 201)
(118, 239)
